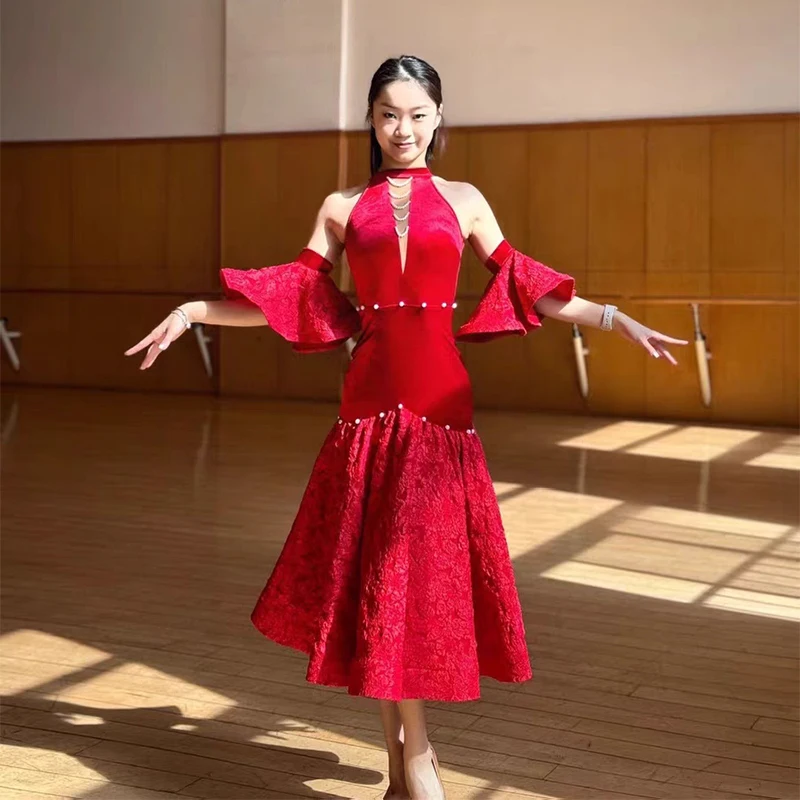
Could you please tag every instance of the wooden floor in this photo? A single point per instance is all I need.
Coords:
(657, 565)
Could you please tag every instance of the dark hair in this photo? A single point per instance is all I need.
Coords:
(404, 68)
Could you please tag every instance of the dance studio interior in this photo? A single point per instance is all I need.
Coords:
(648, 149)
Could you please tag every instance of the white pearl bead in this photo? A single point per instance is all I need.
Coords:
(399, 405)
(401, 304)
(424, 419)
(424, 305)
(376, 306)
(447, 427)
(357, 420)
(382, 414)
(455, 304)
(340, 420)
(444, 305)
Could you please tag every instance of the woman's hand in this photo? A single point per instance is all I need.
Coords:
(160, 338)
(651, 340)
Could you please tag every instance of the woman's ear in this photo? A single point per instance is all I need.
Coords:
(439, 116)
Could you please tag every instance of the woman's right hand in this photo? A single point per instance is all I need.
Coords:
(159, 339)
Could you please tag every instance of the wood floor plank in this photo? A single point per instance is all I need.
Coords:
(662, 629)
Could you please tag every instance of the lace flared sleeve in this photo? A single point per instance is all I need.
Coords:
(299, 300)
(507, 304)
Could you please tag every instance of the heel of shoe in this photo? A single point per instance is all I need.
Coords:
(436, 769)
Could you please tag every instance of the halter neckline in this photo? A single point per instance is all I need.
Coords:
(401, 173)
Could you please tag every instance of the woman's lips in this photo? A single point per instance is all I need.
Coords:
(404, 145)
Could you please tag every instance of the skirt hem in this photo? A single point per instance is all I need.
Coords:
(286, 641)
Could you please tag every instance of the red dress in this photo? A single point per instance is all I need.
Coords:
(395, 578)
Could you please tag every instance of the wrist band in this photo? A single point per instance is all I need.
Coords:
(608, 317)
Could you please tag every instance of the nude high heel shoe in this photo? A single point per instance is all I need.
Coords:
(436, 769)
(415, 788)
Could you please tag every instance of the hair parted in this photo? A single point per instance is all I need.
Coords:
(404, 68)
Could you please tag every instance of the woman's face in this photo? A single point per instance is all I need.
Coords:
(404, 118)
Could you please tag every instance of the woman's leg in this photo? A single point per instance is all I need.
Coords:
(421, 776)
(393, 733)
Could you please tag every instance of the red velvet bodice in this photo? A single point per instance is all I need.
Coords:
(406, 357)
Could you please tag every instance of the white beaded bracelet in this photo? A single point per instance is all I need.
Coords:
(608, 317)
(182, 314)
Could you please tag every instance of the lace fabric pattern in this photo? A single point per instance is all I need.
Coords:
(395, 578)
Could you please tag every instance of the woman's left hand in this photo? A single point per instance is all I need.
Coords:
(651, 340)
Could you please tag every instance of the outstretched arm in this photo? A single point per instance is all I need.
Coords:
(285, 298)
(485, 237)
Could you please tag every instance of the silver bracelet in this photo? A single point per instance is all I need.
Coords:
(182, 314)
(608, 317)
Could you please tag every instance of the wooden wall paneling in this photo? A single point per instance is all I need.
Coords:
(99, 360)
(792, 272)
(11, 193)
(95, 216)
(44, 347)
(678, 209)
(747, 368)
(791, 366)
(791, 246)
(677, 259)
(673, 392)
(357, 167)
(308, 171)
(747, 197)
(249, 202)
(248, 361)
(747, 260)
(193, 215)
(46, 208)
(143, 216)
(616, 370)
(558, 176)
(452, 163)
(354, 171)
(615, 261)
(616, 200)
(498, 167)
(501, 370)
(558, 164)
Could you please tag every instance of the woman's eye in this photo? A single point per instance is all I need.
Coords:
(388, 114)
(419, 116)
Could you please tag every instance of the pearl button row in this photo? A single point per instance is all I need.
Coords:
(402, 303)
(382, 415)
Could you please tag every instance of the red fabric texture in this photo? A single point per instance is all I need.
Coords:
(507, 304)
(395, 578)
(299, 300)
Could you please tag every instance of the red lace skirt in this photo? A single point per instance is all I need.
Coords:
(396, 578)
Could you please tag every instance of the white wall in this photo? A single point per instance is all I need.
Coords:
(129, 68)
(521, 61)
(283, 63)
(96, 69)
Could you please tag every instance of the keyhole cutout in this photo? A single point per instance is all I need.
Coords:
(400, 200)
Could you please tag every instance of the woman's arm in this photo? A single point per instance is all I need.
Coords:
(241, 313)
(485, 235)
(238, 312)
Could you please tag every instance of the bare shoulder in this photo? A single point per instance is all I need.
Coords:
(461, 193)
(466, 200)
(338, 205)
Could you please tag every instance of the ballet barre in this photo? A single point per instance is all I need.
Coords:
(7, 338)
(702, 351)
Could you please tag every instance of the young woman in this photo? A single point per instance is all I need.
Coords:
(395, 578)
